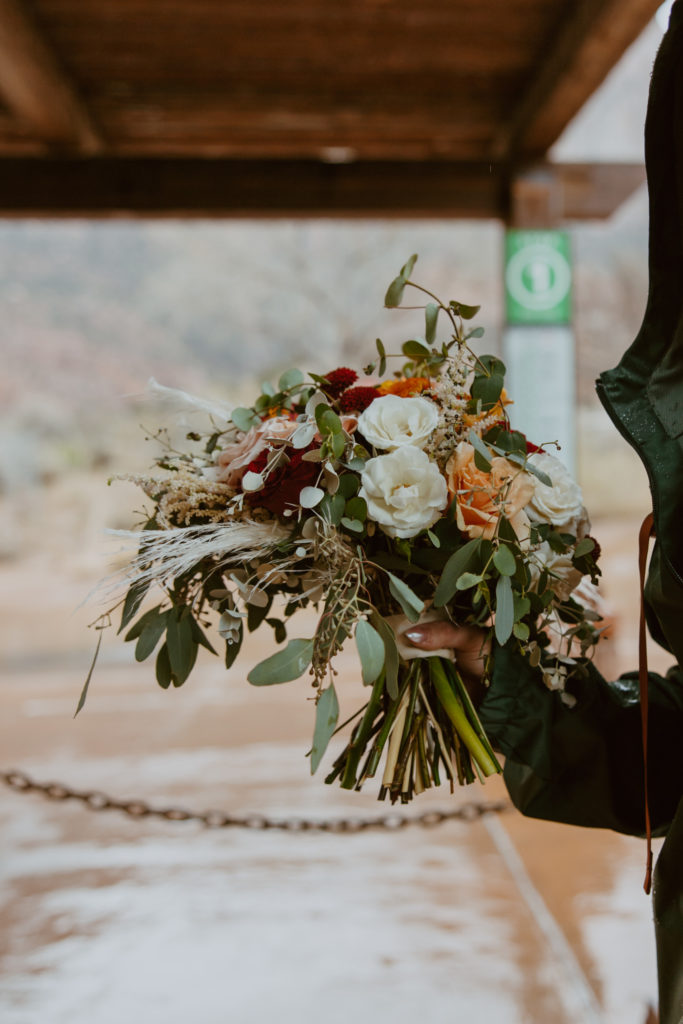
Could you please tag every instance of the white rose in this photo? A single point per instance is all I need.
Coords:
(404, 491)
(562, 504)
(391, 422)
(563, 577)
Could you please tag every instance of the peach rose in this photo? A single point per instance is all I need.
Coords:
(234, 459)
(481, 497)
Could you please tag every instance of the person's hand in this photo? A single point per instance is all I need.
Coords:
(470, 644)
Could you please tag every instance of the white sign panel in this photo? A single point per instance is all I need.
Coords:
(540, 377)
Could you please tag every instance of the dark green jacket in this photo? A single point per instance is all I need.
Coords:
(584, 765)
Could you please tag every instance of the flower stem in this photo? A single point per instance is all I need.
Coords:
(455, 711)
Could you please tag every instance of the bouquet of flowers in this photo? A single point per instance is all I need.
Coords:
(383, 501)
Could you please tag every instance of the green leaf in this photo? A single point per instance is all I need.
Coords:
(232, 650)
(163, 668)
(477, 332)
(382, 369)
(521, 630)
(480, 448)
(257, 613)
(394, 294)
(332, 508)
(463, 310)
(134, 599)
(456, 565)
(414, 349)
(407, 268)
(522, 606)
(493, 364)
(487, 390)
(348, 485)
(326, 717)
(279, 628)
(390, 653)
(283, 666)
(137, 627)
(370, 651)
(182, 648)
(505, 610)
(86, 685)
(354, 525)
(504, 561)
(200, 637)
(584, 547)
(431, 317)
(338, 445)
(434, 539)
(244, 419)
(150, 636)
(356, 508)
(468, 580)
(530, 468)
(328, 421)
(411, 604)
(290, 379)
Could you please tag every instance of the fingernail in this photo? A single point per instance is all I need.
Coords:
(415, 636)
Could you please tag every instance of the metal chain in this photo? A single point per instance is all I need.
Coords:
(97, 801)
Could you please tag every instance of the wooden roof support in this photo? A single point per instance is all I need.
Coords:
(141, 187)
(35, 88)
(589, 42)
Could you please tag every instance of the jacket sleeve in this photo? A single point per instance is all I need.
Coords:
(583, 765)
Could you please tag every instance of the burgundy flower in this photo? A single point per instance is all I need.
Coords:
(339, 380)
(283, 486)
(358, 399)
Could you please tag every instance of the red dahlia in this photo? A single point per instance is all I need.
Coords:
(357, 399)
(281, 489)
(339, 380)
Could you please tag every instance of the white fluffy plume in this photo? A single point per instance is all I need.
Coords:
(179, 402)
(166, 554)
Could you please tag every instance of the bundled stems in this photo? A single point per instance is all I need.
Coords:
(431, 721)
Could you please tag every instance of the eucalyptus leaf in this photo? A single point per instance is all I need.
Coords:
(326, 717)
(150, 636)
(134, 599)
(182, 647)
(584, 547)
(390, 653)
(411, 604)
(244, 419)
(357, 508)
(137, 627)
(163, 668)
(407, 268)
(86, 685)
(394, 294)
(283, 666)
(505, 610)
(487, 390)
(480, 447)
(309, 497)
(200, 637)
(414, 349)
(468, 580)
(456, 565)
(354, 525)
(504, 561)
(370, 651)
(290, 379)
(431, 317)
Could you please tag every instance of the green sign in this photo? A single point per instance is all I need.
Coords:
(538, 277)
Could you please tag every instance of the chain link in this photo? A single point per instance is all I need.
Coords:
(95, 800)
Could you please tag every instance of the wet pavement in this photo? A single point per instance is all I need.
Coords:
(105, 919)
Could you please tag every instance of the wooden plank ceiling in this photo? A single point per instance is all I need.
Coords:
(297, 106)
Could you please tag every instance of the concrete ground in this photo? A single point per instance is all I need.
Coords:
(105, 919)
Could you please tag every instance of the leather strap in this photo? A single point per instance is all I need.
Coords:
(646, 531)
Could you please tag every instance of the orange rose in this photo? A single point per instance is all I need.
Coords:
(405, 387)
(481, 497)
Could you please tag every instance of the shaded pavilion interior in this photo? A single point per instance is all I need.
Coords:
(225, 108)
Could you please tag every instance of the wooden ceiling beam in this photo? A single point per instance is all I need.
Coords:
(106, 187)
(584, 47)
(36, 89)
